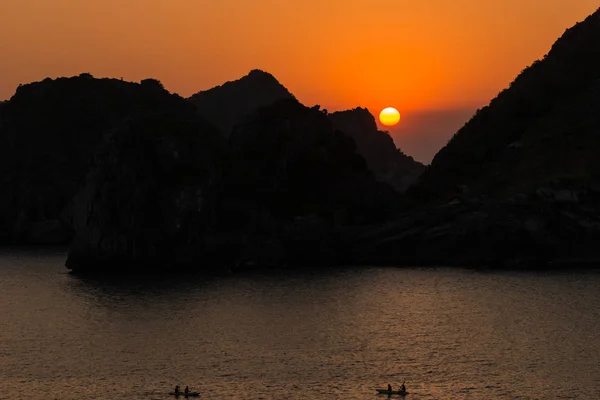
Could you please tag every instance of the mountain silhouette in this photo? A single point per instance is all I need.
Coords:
(228, 104)
(291, 157)
(143, 180)
(388, 163)
(541, 130)
(149, 197)
(231, 103)
(519, 185)
(49, 132)
(293, 185)
(168, 191)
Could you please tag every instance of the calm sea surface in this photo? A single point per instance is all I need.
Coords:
(450, 333)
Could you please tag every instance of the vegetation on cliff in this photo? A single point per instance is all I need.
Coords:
(233, 102)
(542, 129)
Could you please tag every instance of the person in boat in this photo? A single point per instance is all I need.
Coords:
(187, 390)
(389, 387)
(177, 389)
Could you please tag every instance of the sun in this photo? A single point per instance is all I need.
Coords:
(389, 116)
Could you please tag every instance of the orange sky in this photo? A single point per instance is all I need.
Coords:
(422, 57)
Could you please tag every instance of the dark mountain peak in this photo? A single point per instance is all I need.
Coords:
(255, 79)
(580, 34)
(230, 103)
(540, 129)
(50, 131)
(291, 159)
(260, 74)
(359, 117)
(388, 163)
(84, 93)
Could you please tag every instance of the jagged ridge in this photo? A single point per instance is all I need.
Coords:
(228, 104)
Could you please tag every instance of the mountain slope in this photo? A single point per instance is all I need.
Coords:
(228, 104)
(233, 102)
(388, 163)
(542, 129)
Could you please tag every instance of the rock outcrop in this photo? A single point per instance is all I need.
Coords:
(294, 182)
(149, 199)
(230, 103)
(167, 192)
(552, 227)
(49, 132)
(388, 163)
(158, 186)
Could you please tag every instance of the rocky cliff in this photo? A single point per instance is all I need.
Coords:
(149, 198)
(231, 103)
(554, 227)
(168, 192)
(388, 163)
(294, 182)
(542, 129)
(157, 186)
(49, 133)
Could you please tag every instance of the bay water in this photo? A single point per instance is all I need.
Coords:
(338, 333)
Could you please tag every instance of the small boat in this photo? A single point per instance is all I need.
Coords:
(190, 394)
(389, 393)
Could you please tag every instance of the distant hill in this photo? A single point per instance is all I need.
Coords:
(228, 104)
(542, 130)
(231, 103)
(388, 163)
(49, 132)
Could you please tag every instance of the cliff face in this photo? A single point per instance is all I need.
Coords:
(388, 163)
(228, 104)
(542, 129)
(294, 183)
(142, 180)
(149, 197)
(168, 192)
(50, 130)
(231, 103)
(291, 158)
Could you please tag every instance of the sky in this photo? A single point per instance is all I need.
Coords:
(436, 61)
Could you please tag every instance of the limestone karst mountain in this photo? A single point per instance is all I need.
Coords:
(49, 132)
(541, 130)
(228, 104)
(388, 163)
(232, 102)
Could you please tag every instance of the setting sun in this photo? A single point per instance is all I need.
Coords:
(389, 116)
